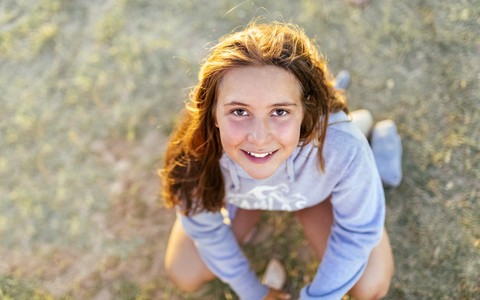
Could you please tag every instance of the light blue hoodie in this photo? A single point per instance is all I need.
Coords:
(358, 201)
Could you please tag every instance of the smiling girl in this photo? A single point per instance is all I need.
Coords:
(265, 130)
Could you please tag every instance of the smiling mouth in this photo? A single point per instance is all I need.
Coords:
(259, 155)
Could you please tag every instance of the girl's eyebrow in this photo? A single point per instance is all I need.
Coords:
(280, 104)
(235, 103)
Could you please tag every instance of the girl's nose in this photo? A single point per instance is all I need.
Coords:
(259, 132)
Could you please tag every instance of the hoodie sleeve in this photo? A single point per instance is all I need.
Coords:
(359, 212)
(221, 253)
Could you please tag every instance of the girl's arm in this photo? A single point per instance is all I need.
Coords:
(359, 212)
(219, 250)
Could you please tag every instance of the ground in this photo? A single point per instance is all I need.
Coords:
(90, 91)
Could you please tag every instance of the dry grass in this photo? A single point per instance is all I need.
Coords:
(89, 91)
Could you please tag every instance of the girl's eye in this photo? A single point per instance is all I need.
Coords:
(240, 112)
(280, 112)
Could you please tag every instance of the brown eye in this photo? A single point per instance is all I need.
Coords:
(240, 112)
(280, 112)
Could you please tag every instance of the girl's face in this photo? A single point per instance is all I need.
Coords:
(259, 113)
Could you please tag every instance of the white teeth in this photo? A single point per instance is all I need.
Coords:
(260, 155)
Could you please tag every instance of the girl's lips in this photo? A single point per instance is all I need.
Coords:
(259, 157)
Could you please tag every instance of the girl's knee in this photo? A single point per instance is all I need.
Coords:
(374, 285)
(371, 289)
(187, 281)
(183, 265)
(375, 281)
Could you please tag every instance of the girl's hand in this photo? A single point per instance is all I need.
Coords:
(276, 294)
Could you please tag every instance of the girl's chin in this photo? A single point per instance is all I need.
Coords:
(260, 176)
(260, 172)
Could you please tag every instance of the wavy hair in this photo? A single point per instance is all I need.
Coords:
(191, 177)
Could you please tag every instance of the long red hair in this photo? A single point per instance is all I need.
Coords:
(191, 177)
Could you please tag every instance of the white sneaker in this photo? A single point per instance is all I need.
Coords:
(342, 80)
(363, 120)
(275, 275)
(387, 150)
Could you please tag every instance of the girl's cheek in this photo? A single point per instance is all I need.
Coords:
(235, 129)
(240, 125)
(287, 128)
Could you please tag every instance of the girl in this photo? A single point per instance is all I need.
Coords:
(265, 130)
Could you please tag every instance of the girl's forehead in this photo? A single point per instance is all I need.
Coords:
(255, 80)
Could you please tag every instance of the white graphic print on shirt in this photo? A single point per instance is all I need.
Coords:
(268, 198)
